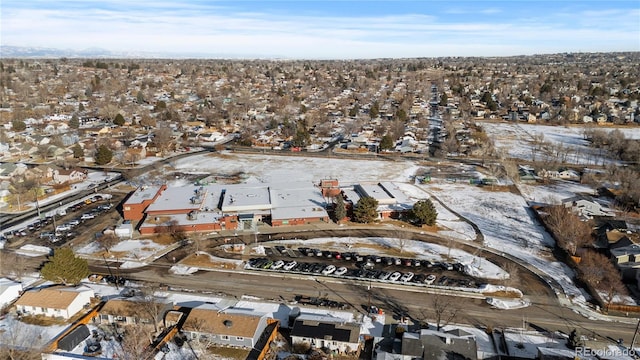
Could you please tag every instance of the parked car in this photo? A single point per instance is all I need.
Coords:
(46, 235)
(407, 277)
(74, 222)
(329, 270)
(430, 279)
(395, 276)
(340, 271)
(446, 266)
(384, 275)
(87, 216)
(63, 227)
(290, 265)
(277, 265)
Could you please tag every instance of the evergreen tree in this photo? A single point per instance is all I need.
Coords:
(119, 120)
(340, 209)
(374, 111)
(443, 99)
(77, 151)
(302, 136)
(386, 143)
(74, 123)
(425, 212)
(401, 115)
(64, 267)
(103, 155)
(366, 210)
(18, 125)
(80, 107)
(140, 97)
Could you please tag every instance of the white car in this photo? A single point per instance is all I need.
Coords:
(328, 270)
(63, 227)
(340, 271)
(277, 265)
(395, 276)
(430, 279)
(407, 277)
(290, 265)
(87, 216)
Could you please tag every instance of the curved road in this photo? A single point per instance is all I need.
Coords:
(394, 299)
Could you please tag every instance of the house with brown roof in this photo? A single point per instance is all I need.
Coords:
(55, 301)
(226, 326)
(132, 311)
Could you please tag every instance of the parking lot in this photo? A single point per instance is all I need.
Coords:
(67, 224)
(351, 265)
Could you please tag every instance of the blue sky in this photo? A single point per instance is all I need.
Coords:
(305, 29)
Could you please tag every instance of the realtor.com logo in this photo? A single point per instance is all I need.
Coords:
(608, 352)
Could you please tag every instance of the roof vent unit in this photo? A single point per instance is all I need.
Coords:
(228, 323)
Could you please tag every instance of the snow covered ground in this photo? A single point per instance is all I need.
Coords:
(516, 139)
(503, 218)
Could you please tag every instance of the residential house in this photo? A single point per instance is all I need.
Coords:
(132, 311)
(569, 174)
(9, 291)
(326, 332)
(9, 170)
(61, 176)
(585, 207)
(55, 301)
(225, 325)
(432, 344)
(43, 174)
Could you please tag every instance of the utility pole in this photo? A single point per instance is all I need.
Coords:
(35, 190)
(635, 335)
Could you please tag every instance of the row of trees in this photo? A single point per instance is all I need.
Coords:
(576, 237)
(366, 211)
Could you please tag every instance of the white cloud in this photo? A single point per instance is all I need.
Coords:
(196, 28)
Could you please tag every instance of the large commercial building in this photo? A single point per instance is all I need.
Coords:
(225, 206)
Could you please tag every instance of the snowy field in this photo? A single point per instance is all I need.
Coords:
(504, 219)
(517, 140)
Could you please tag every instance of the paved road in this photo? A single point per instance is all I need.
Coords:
(281, 287)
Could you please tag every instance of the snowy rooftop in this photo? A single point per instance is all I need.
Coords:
(377, 192)
(297, 202)
(142, 194)
(243, 197)
(178, 198)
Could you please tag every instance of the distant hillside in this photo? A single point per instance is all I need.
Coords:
(39, 52)
(7, 51)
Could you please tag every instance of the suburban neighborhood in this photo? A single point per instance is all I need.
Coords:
(458, 208)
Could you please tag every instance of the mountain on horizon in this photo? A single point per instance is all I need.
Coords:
(9, 51)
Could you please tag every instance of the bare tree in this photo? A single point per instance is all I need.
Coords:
(513, 272)
(597, 270)
(135, 344)
(445, 309)
(150, 304)
(570, 231)
(107, 241)
(19, 341)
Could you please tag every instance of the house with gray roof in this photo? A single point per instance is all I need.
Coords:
(325, 332)
(432, 344)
